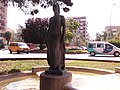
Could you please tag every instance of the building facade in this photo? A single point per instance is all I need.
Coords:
(83, 26)
(82, 31)
(112, 31)
(3, 21)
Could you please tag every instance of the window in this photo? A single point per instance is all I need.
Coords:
(92, 45)
(1, 41)
(22, 44)
(108, 46)
(81, 27)
(13, 44)
(81, 24)
(1, 35)
(100, 45)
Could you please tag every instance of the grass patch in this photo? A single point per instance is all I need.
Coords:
(76, 51)
(94, 64)
(22, 65)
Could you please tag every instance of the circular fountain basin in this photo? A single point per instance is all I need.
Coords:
(82, 79)
(30, 82)
(21, 83)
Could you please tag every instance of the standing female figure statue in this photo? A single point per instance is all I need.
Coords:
(55, 41)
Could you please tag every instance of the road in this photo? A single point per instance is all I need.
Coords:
(5, 55)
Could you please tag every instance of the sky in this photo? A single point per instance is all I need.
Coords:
(99, 14)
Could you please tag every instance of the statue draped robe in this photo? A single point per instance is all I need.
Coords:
(55, 43)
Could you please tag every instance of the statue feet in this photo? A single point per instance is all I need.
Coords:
(56, 71)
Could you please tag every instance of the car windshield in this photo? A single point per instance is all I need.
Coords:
(22, 44)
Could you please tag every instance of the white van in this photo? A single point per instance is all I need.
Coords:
(98, 47)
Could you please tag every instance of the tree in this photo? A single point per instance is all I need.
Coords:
(98, 37)
(17, 34)
(24, 5)
(104, 35)
(118, 34)
(110, 34)
(35, 31)
(68, 36)
(72, 26)
(7, 36)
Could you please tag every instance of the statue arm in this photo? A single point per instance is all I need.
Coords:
(49, 26)
(63, 27)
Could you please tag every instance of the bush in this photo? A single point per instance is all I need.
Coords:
(115, 42)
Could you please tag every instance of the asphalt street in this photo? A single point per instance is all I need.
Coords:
(5, 55)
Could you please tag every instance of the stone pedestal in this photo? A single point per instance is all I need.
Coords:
(54, 82)
(117, 69)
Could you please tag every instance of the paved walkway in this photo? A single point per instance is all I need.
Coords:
(100, 82)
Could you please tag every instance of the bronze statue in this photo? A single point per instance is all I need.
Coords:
(55, 41)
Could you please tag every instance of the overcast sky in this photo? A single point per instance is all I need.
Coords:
(97, 12)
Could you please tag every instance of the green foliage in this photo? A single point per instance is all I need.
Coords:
(76, 51)
(21, 65)
(18, 65)
(98, 36)
(14, 70)
(72, 24)
(114, 41)
(25, 5)
(68, 36)
(35, 31)
(104, 35)
(94, 64)
(7, 36)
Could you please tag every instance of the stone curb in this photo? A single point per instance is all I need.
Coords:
(76, 68)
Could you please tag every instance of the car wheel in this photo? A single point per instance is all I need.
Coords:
(18, 52)
(92, 53)
(27, 52)
(10, 51)
(116, 54)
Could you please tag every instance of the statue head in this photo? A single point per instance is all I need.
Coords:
(56, 9)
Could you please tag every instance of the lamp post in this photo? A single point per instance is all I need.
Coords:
(111, 34)
(111, 15)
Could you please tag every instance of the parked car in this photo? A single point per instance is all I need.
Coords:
(83, 48)
(18, 47)
(33, 46)
(103, 48)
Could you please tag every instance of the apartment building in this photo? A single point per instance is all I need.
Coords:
(112, 31)
(82, 30)
(3, 21)
(81, 35)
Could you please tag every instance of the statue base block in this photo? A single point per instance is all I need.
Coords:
(54, 82)
(55, 72)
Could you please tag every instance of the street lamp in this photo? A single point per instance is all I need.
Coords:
(111, 34)
(111, 15)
